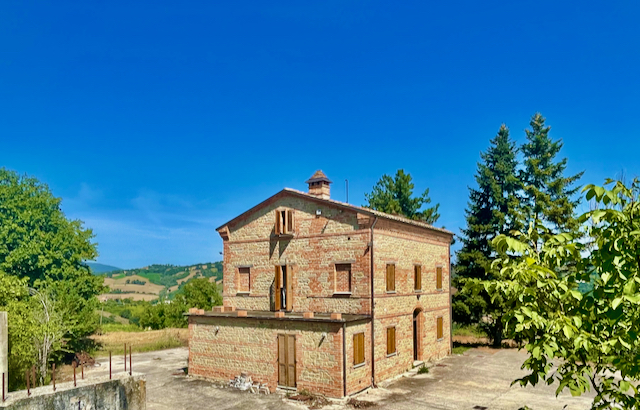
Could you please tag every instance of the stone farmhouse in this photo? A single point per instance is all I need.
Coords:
(325, 296)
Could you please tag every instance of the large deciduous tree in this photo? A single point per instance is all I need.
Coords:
(492, 210)
(580, 340)
(394, 195)
(39, 245)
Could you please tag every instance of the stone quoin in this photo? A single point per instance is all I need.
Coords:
(324, 296)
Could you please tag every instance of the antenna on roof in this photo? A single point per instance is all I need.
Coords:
(346, 182)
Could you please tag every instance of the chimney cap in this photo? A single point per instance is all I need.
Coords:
(319, 176)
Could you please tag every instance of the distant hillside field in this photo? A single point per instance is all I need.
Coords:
(151, 282)
(98, 268)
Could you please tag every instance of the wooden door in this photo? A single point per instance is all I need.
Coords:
(287, 360)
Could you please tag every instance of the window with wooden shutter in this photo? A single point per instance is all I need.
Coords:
(358, 349)
(278, 287)
(439, 334)
(439, 278)
(391, 278)
(244, 279)
(391, 340)
(417, 277)
(289, 222)
(342, 278)
(284, 222)
(278, 226)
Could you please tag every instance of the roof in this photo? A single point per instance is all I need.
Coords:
(317, 177)
(289, 316)
(343, 205)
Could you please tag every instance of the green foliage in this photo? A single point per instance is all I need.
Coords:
(201, 293)
(164, 314)
(40, 245)
(423, 369)
(582, 341)
(548, 192)
(15, 300)
(492, 210)
(394, 195)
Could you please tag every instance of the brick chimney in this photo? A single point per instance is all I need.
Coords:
(319, 185)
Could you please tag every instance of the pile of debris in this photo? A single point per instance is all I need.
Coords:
(84, 359)
(244, 383)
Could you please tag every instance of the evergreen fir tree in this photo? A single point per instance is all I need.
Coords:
(394, 195)
(548, 195)
(493, 209)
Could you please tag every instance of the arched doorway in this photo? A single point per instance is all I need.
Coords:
(417, 334)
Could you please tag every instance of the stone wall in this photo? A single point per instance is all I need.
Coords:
(405, 249)
(123, 392)
(221, 348)
(319, 243)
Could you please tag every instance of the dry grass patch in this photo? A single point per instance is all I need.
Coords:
(146, 341)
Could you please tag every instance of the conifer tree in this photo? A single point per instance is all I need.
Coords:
(394, 195)
(493, 209)
(548, 195)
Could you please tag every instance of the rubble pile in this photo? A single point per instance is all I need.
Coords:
(244, 383)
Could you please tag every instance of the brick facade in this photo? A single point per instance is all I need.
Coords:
(324, 233)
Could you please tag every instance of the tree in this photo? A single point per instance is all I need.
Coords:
(492, 210)
(581, 340)
(394, 195)
(38, 243)
(201, 293)
(547, 192)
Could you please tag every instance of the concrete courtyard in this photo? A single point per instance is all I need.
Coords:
(479, 379)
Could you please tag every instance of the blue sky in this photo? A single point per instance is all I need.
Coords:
(158, 121)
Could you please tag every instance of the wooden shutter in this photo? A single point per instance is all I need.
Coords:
(358, 348)
(278, 286)
(289, 221)
(287, 360)
(418, 277)
(291, 360)
(439, 277)
(391, 277)
(289, 289)
(439, 328)
(282, 360)
(391, 340)
(278, 227)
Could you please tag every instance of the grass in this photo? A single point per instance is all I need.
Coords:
(468, 330)
(423, 369)
(460, 349)
(118, 327)
(145, 341)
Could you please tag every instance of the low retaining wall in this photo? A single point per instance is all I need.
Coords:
(123, 392)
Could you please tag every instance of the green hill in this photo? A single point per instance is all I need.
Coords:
(170, 277)
(99, 268)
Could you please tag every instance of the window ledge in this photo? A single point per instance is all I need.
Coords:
(356, 366)
(243, 293)
(417, 290)
(341, 294)
(392, 354)
(391, 291)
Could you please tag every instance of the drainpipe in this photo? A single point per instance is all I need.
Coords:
(450, 307)
(373, 355)
(344, 358)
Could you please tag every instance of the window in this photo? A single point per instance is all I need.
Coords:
(439, 334)
(391, 341)
(417, 277)
(439, 278)
(244, 279)
(358, 349)
(391, 278)
(284, 222)
(342, 278)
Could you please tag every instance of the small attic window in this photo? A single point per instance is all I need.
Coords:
(284, 222)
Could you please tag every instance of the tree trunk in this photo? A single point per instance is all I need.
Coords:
(497, 332)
